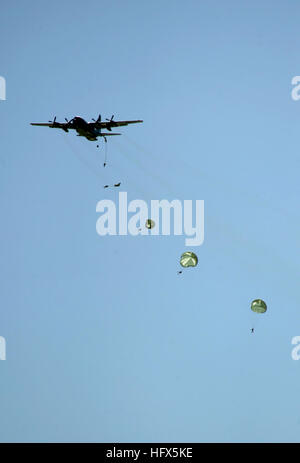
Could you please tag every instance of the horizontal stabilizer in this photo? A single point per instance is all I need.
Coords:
(109, 134)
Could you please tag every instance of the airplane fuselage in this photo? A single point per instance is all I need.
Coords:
(89, 134)
(85, 129)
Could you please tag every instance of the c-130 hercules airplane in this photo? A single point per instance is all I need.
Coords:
(90, 130)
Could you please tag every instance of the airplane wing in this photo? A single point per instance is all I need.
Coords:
(109, 124)
(43, 124)
(54, 125)
(121, 123)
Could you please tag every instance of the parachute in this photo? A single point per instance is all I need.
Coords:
(188, 259)
(258, 306)
(150, 223)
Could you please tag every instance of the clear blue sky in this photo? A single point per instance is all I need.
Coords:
(105, 342)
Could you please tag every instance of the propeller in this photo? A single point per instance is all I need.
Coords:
(98, 120)
(69, 122)
(53, 122)
(58, 124)
(111, 123)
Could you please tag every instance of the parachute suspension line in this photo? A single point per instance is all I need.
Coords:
(77, 154)
(145, 168)
(105, 152)
(143, 190)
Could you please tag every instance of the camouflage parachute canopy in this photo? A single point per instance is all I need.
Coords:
(150, 223)
(258, 306)
(188, 259)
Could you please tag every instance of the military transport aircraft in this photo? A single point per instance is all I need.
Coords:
(89, 130)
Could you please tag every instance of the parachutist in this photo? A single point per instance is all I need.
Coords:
(252, 330)
(180, 271)
(104, 164)
(150, 224)
(116, 185)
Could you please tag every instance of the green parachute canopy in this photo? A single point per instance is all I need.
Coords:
(188, 259)
(150, 223)
(258, 306)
